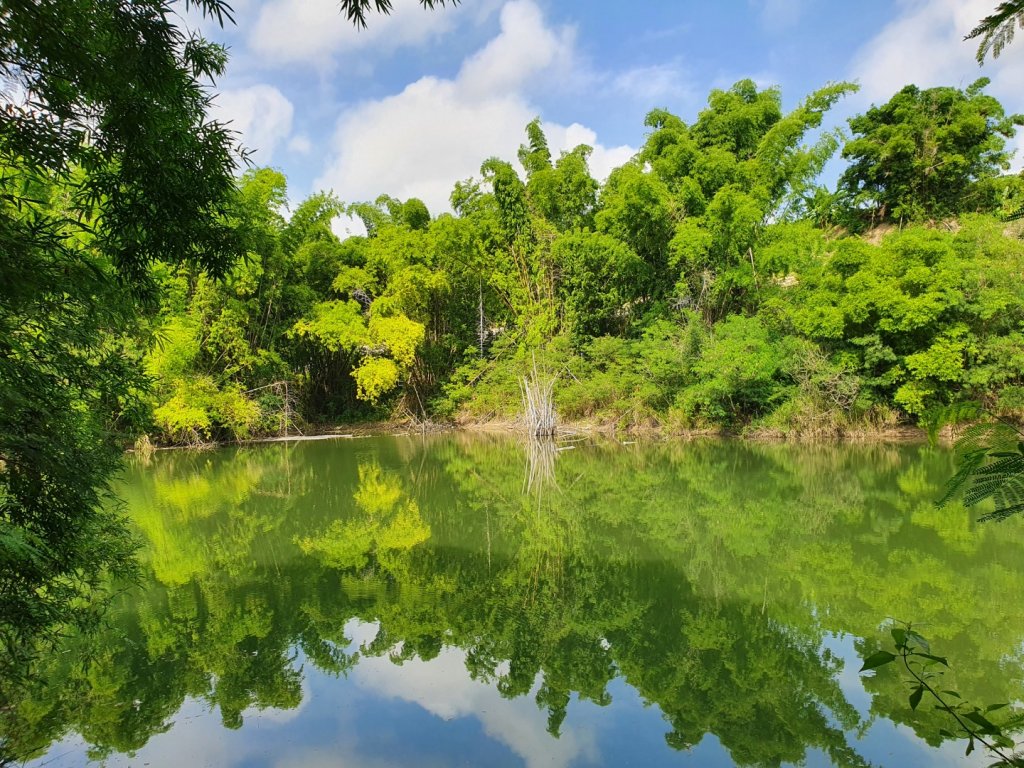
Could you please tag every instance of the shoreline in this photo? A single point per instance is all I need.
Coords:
(904, 434)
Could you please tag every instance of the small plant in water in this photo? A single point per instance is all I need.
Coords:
(925, 670)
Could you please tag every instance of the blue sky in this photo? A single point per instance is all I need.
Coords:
(419, 99)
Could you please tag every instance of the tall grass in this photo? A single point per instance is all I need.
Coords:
(539, 404)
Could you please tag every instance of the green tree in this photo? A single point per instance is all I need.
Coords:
(928, 154)
(109, 164)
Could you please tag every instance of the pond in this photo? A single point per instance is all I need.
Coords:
(469, 600)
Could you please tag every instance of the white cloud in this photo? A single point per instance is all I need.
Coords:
(777, 15)
(524, 49)
(602, 161)
(656, 85)
(418, 142)
(313, 32)
(300, 145)
(261, 113)
(924, 45)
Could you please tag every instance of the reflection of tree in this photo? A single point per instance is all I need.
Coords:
(706, 575)
(387, 523)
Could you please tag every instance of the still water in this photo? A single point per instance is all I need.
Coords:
(463, 600)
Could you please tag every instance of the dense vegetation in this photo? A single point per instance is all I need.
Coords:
(708, 283)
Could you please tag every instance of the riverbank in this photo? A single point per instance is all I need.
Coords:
(607, 430)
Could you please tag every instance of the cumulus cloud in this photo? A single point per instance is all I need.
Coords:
(260, 113)
(313, 32)
(418, 142)
(924, 45)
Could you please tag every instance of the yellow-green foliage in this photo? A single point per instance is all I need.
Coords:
(375, 377)
(197, 408)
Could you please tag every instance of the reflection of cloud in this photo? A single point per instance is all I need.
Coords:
(204, 745)
(444, 688)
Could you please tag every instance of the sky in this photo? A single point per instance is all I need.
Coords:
(419, 99)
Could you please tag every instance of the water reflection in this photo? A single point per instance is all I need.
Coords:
(418, 579)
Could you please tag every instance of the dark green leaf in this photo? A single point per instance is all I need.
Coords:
(877, 659)
(915, 696)
(919, 640)
(985, 724)
(938, 659)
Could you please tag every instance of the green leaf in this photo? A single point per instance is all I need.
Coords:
(915, 696)
(1001, 740)
(985, 724)
(946, 734)
(899, 636)
(994, 707)
(954, 694)
(938, 659)
(970, 747)
(919, 640)
(877, 659)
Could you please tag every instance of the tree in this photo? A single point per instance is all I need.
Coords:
(997, 29)
(928, 153)
(109, 163)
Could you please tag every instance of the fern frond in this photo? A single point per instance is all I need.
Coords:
(996, 31)
(967, 465)
(950, 415)
(990, 465)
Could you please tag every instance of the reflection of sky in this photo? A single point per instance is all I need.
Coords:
(431, 713)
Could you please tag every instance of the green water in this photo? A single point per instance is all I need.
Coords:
(458, 600)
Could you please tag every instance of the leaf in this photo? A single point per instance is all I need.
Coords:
(952, 693)
(985, 724)
(994, 707)
(877, 659)
(947, 734)
(915, 696)
(970, 747)
(938, 659)
(919, 640)
(899, 636)
(1001, 740)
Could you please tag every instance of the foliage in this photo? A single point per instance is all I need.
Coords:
(704, 284)
(922, 665)
(990, 459)
(108, 163)
(928, 153)
(996, 30)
